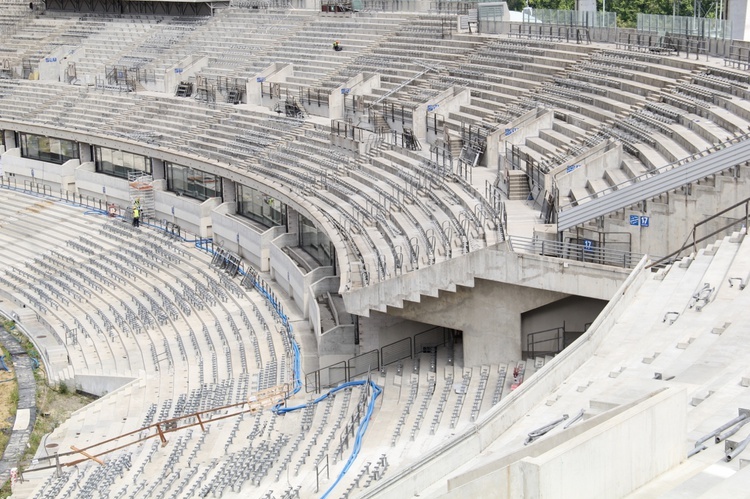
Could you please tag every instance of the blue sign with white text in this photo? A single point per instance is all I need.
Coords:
(645, 221)
(634, 220)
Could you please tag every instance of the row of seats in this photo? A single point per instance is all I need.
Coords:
(146, 288)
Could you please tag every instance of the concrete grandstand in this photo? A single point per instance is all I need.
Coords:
(465, 256)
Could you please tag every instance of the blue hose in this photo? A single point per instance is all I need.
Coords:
(297, 386)
(376, 391)
(94, 211)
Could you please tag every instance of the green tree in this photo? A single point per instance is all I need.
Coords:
(627, 10)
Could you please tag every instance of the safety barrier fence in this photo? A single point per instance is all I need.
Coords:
(588, 252)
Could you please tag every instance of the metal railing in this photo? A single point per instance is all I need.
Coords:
(726, 155)
(703, 27)
(588, 252)
(553, 341)
(346, 370)
(398, 350)
(585, 18)
(692, 241)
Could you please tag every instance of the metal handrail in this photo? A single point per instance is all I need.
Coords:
(694, 243)
(573, 251)
(559, 338)
(727, 155)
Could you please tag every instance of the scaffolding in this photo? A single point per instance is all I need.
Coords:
(142, 192)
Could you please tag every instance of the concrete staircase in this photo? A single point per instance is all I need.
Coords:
(518, 185)
(494, 263)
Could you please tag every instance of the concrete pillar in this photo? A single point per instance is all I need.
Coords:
(292, 221)
(84, 151)
(737, 13)
(10, 139)
(158, 170)
(229, 194)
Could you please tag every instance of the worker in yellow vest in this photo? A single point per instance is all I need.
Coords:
(136, 216)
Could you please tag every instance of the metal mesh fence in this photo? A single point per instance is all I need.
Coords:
(363, 363)
(702, 27)
(395, 351)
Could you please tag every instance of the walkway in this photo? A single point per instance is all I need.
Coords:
(26, 413)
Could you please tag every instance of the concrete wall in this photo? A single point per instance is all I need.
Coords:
(448, 456)
(190, 214)
(276, 72)
(552, 467)
(329, 284)
(182, 71)
(616, 458)
(489, 316)
(574, 311)
(292, 279)
(57, 177)
(385, 329)
(335, 342)
(99, 385)
(101, 186)
(737, 13)
(248, 239)
(676, 212)
(53, 65)
(597, 160)
(361, 84)
(446, 102)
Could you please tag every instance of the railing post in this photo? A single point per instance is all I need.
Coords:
(695, 250)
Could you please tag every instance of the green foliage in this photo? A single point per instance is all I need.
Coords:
(5, 490)
(62, 388)
(627, 10)
(14, 395)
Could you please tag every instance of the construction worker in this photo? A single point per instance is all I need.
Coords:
(337, 46)
(136, 216)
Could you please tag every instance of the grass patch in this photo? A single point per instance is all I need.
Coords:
(54, 404)
(5, 491)
(8, 407)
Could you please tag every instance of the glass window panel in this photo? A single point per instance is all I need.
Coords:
(55, 149)
(315, 242)
(127, 161)
(42, 147)
(32, 148)
(257, 206)
(68, 150)
(117, 158)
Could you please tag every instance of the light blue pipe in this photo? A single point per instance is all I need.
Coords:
(376, 390)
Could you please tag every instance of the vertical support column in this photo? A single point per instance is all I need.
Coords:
(737, 14)
(10, 139)
(292, 222)
(158, 170)
(229, 193)
(85, 153)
